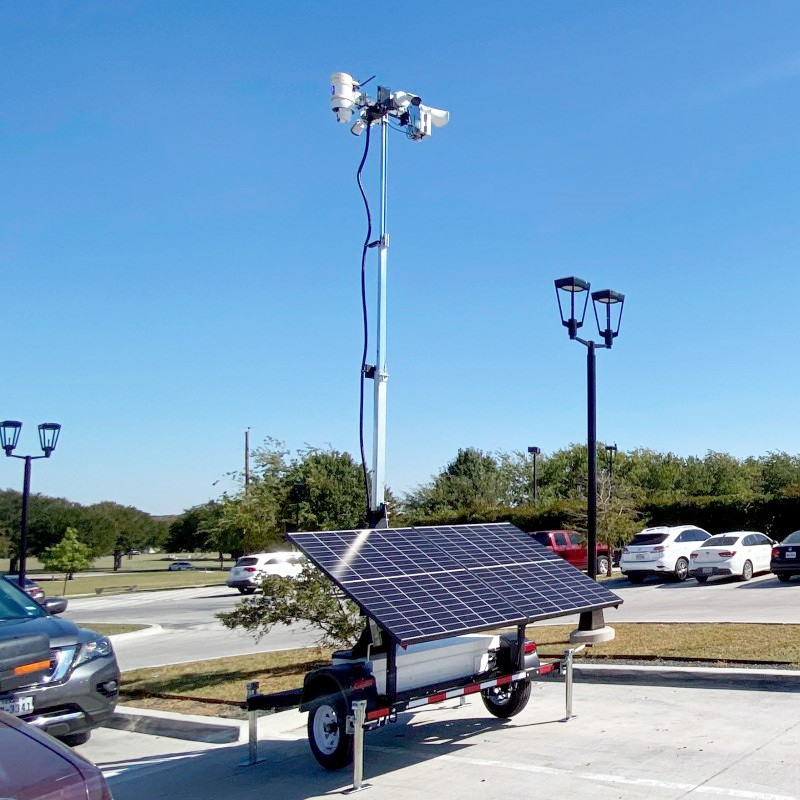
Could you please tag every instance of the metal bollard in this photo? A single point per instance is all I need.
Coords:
(359, 718)
(252, 725)
(567, 668)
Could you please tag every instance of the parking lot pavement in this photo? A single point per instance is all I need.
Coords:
(626, 742)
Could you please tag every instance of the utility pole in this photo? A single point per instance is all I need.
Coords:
(247, 460)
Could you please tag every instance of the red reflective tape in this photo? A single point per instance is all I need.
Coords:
(377, 713)
(437, 698)
(505, 679)
(476, 687)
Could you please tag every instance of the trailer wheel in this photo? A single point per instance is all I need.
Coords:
(507, 701)
(330, 743)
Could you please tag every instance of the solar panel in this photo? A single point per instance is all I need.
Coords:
(438, 581)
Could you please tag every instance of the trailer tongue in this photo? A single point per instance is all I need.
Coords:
(426, 594)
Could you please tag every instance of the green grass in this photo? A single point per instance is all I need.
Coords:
(161, 579)
(145, 571)
(112, 629)
(224, 679)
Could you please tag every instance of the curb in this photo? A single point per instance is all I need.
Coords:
(145, 590)
(175, 726)
(773, 680)
(124, 637)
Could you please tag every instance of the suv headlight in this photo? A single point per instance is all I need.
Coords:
(95, 649)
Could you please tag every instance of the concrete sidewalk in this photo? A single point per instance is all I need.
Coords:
(626, 742)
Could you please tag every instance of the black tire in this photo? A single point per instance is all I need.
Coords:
(747, 571)
(74, 739)
(701, 578)
(330, 743)
(602, 565)
(507, 701)
(248, 590)
(681, 572)
(783, 578)
(635, 577)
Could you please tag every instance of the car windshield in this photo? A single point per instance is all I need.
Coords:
(16, 605)
(792, 538)
(543, 537)
(648, 538)
(246, 561)
(720, 541)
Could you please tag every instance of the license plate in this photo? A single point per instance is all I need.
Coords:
(640, 556)
(707, 570)
(791, 555)
(16, 705)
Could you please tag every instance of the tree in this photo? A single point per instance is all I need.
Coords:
(310, 598)
(68, 556)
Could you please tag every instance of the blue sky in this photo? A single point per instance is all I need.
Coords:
(180, 231)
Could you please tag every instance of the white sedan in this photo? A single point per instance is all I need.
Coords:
(740, 553)
(180, 565)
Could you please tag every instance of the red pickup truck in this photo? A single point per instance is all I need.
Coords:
(571, 546)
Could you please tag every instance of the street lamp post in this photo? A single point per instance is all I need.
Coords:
(611, 456)
(572, 288)
(48, 438)
(534, 451)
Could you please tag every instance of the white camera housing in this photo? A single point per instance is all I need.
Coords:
(422, 118)
(344, 97)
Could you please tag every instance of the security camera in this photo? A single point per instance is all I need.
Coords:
(344, 97)
(359, 126)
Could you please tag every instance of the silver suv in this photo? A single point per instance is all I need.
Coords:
(661, 551)
(79, 690)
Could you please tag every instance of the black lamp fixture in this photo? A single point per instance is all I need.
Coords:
(48, 439)
(535, 452)
(607, 304)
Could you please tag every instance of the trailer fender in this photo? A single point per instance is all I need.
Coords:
(335, 682)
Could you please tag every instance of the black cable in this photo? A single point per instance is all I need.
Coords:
(364, 316)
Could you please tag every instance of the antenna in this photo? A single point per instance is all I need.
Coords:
(418, 121)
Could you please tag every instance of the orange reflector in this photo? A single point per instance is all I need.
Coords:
(26, 669)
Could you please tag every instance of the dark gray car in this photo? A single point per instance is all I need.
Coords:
(79, 690)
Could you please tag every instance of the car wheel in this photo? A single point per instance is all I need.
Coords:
(783, 578)
(635, 577)
(330, 743)
(74, 739)
(602, 565)
(701, 578)
(248, 590)
(747, 571)
(507, 701)
(681, 570)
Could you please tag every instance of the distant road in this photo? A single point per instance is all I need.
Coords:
(191, 632)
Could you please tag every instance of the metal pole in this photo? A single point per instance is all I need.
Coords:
(360, 714)
(534, 477)
(23, 523)
(568, 667)
(246, 459)
(381, 375)
(252, 727)
(591, 444)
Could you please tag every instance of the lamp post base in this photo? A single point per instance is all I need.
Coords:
(592, 629)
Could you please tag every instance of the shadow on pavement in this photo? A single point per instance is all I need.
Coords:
(287, 769)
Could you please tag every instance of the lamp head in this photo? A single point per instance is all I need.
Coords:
(535, 450)
(608, 299)
(9, 435)
(48, 436)
(571, 288)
